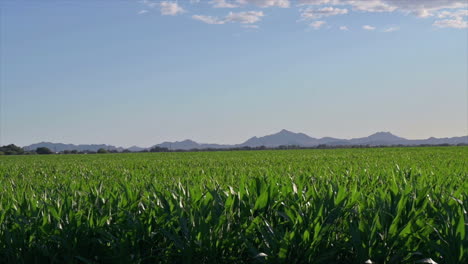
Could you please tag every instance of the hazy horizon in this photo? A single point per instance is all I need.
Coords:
(223, 143)
(144, 72)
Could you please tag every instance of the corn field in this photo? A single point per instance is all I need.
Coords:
(388, 205)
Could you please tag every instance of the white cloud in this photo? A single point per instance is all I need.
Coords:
(318, 2)
(456, 14)
(367, 27)
(427, 8)
(166, 7)
(371, 6)
(266, 3)
(446, 13)
(171, 8)
(311, 13)
(250, 26)
(454, 19)
(247, 17)
(149, 4)
(223, 4)
(451, 23)
(420, 8)
(317, 24)
(360, 5)
(208, 19)
(391, 29)
(344, 28)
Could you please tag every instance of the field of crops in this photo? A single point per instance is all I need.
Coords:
(390, 205)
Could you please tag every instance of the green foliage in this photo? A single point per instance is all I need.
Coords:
(43, 150)
(11, 150)
(102, 151)
(392, 205)
(158, 149)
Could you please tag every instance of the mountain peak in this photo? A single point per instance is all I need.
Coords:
(383, 135)
(284, 131)
(187, 141)
(380, 138)
(282, 138)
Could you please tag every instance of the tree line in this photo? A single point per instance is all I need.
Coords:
(12, 149)
(15, 150)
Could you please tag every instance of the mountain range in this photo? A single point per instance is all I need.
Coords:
(282, 138)
(57, 147)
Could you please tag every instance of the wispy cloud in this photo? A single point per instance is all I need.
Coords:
(427, 8)
(149, 4)
(317, 24)
(454, 19)
(454, 14)
(223, 4)
(208, 19)
(420, 8)
(311, 13)
(250, 26)
(451, 23)
(171, 8)
(166, 8)
(266, 3)
(391, 29)
(444, 13)
(363, 5)
(314, 2)
(247, 17)
(344, 28)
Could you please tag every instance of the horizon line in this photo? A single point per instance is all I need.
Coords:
(188, 139)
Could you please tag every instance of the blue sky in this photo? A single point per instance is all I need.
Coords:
(142, 72)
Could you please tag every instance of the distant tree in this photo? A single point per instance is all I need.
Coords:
(66, 152)
(126, 151)
(11, 150)
(43, 150)
(158, 149)
(74, 151)
(102, 151)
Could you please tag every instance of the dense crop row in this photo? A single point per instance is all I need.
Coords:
(317, 206)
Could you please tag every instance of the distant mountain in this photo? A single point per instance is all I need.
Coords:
(282, 138)
(438, 141)
(379, 138)
(57, 147)
(190, 144)
(285, 138)
(186, 144)
(135, 148)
